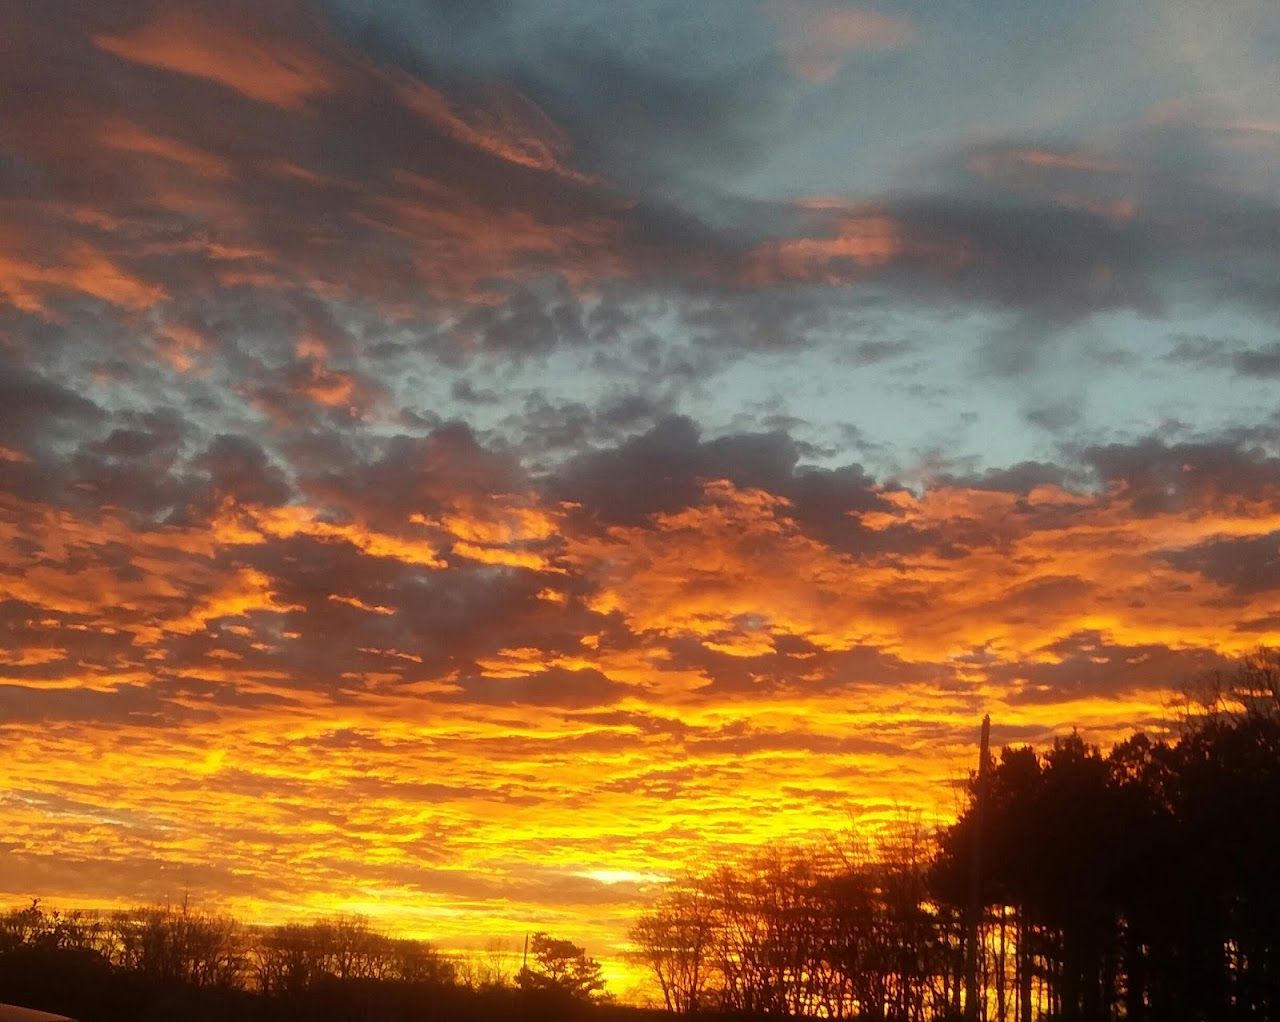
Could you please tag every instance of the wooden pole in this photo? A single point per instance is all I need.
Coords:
(975, 880)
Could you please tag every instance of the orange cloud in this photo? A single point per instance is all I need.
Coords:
(849, 240)
(241, 202)
(181, 346)
(860, 241)
(269, 71)
(458, 243)
(738, 568)
(507, 125)
(248, 526)
(816, 37)
(240, 593)
(1082, 162)
(331, 388)
(352, 601)
(1094, 182)
(127, 137)
(29, 280)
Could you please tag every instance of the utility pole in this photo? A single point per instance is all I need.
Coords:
(972, 923)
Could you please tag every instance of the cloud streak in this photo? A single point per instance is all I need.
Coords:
(816, 38)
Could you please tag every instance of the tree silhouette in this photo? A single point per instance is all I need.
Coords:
(562, 967)
(1141, 883)
(676, 940)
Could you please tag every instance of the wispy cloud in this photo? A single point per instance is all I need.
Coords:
(816, 37)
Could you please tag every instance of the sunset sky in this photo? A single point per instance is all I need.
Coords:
(466, 461)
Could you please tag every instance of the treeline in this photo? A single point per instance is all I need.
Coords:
(190, 947)
(182, 962)
(823, 932)
(1140, 884)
